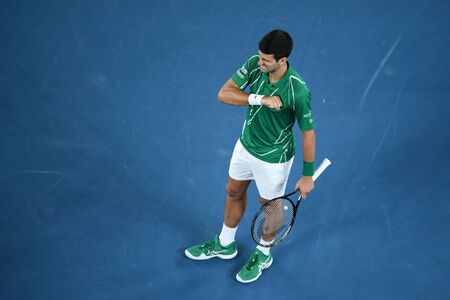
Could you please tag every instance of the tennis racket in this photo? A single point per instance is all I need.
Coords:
(273, 221)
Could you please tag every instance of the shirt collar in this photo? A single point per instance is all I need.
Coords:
(283, 79)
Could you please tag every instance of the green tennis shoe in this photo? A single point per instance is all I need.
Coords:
(211, 249)
(254, 266)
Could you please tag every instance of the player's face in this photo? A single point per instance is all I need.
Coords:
(267, 63)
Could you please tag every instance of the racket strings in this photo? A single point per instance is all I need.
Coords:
(273, 221)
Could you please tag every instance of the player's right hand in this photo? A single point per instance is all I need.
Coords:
(272, 102)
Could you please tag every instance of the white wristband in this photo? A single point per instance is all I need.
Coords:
(254, 99)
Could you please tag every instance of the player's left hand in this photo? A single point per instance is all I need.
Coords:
(305, 185)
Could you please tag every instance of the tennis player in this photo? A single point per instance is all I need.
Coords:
(266, 147)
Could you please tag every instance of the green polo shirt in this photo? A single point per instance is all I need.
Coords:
(267, 133)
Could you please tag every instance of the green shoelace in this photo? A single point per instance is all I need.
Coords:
(252, 261)
(208, 246)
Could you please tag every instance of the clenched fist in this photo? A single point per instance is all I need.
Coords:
(272, 102)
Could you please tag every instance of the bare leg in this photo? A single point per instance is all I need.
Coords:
(272, 221)
(236, 201)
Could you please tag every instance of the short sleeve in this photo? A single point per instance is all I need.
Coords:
(303, 110)
(244, 74)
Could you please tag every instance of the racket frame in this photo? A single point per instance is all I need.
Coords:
(291, 223)
(325, 164)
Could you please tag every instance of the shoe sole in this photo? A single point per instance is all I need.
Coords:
(256, 278)
(205, 257)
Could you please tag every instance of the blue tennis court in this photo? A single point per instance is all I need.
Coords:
(115, 150)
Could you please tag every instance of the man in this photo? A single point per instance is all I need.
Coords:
(265, 150)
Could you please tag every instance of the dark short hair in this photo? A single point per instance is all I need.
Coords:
(277, 42)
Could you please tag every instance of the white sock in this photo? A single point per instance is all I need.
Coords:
(265, 243)
(227, 235)
(265, 250)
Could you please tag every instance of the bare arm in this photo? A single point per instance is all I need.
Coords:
(309, 145)
(230, 93)
(306, 184)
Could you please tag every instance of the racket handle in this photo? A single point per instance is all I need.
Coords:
(325, 164)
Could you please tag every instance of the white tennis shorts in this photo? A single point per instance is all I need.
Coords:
(270, 178)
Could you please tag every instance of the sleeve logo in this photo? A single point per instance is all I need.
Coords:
(241, 72)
